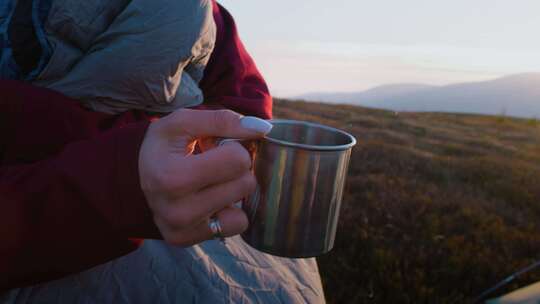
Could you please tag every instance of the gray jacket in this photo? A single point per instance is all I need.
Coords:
(113, 55)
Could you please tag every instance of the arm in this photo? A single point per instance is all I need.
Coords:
(68, 211)
(74, 209)
(231, 78)
(77, 207)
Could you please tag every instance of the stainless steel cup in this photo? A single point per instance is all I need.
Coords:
(300, 169)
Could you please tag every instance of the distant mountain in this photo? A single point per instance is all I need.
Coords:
(516, 95)
(383, 92)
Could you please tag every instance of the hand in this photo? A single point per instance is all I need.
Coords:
(183, 189)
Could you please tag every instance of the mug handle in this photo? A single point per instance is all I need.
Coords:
(250, 146)
(223, 141)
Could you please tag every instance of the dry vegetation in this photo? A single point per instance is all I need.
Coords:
(438, 207)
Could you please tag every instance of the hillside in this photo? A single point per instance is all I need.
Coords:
(437, 208)
(515, 95)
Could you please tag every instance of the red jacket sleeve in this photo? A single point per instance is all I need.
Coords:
(69, 193)
(231, 78)
(73, 210)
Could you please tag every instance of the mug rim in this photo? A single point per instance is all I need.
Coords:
(347, 146)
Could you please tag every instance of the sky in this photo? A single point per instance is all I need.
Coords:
(303, 46)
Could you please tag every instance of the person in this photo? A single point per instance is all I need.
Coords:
(96, 153)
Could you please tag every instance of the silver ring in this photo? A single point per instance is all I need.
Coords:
(217, 231)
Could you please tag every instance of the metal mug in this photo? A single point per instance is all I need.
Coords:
(300, 169)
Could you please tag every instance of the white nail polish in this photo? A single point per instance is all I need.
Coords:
(256, 124)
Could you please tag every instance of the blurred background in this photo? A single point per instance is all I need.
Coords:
(443, 192)
(347, 45)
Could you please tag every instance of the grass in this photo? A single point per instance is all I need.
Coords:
(437, 208)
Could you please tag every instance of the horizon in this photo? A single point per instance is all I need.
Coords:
(415, 83)
(416, 42)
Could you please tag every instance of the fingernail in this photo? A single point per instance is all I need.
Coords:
(256, 124)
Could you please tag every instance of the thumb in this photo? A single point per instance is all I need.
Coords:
(214, 123)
